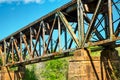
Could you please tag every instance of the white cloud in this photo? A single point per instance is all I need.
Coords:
(33, 1)
(23, 1)
(27, 1)
(8, 1)
(3, 1)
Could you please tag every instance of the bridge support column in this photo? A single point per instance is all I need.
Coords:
(84, 67)
(7, 74)
(110, 62)
(104, 67)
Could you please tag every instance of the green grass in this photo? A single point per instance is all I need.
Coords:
(97, 53)
(118, 49)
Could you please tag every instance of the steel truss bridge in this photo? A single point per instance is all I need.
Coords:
(77, 24)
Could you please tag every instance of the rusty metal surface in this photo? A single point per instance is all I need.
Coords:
(77, 24)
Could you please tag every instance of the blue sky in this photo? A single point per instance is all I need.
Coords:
(15, 14)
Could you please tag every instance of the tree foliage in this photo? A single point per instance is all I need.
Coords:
(1, 63)
(55, 70)
(30, 74)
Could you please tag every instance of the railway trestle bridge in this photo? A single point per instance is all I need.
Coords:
(73, 27)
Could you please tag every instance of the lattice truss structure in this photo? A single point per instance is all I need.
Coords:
(77, 24)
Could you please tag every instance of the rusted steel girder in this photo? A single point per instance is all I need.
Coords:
(78, 24)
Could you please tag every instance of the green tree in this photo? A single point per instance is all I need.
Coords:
(55, 70)
(30, 74)
(1, 61)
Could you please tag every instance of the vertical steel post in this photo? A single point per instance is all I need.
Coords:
(59, 32)
(21, 44)
(110, 18)
(107, 33)
(1, 54)
(31, 46)
(80, 21)
(39, 46)
(12, 51)
(51, 43)
(65, 38)
(43, 35)
(4, 62)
